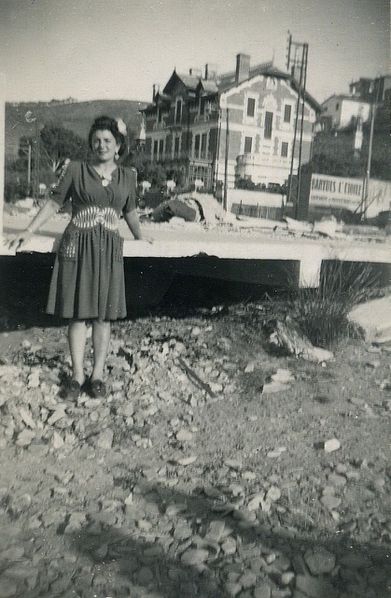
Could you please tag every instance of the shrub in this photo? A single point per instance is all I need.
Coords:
(322, 313)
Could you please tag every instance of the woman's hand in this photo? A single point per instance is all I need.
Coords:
(147, 239)
(17, 241)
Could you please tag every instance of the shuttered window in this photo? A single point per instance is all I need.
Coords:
(268, 125)
(250, 107)
(248, 142)
(197, 146)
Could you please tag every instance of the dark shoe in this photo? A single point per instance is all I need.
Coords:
(97, 389)
(71, 390)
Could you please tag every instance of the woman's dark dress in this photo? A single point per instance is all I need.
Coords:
(88, 276)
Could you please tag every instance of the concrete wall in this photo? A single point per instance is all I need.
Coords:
(2, 148)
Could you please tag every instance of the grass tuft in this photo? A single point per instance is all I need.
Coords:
(322, 313)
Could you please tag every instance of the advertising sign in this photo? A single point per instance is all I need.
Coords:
(335, 192)
(346, 193)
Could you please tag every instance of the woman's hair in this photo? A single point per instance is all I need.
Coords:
(106, 123)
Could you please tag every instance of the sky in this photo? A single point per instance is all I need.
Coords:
(117, 49)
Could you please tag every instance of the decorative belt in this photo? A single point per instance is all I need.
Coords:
(92, 216)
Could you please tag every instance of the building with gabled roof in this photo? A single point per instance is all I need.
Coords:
(187, 123)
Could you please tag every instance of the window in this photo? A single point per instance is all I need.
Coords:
(155, 149)
(178, 111)
(197, 146)
(337, 106)
(177, 143)
(251, 107)
(284, 149)
(204, 140)
(268, 125)
(248, 142)
(161, 148)
(287, 113)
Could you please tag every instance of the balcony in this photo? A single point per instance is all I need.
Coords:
(248, 160)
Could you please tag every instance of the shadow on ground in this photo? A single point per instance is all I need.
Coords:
(129, 564)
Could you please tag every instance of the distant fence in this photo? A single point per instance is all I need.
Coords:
(268, 212)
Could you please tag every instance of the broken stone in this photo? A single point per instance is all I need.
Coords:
(263, 591)
(33, 379)
(337, 480)
(185, 461)
(255, 502)
(332, 445)
(233, 464)
(215, 531)
(232, 589)
(184, 435)
(182, 531)
(27, 418)
(21, 503)
(25, 438)
(249, 475)
(175, 509)
(319, 560)
(273, 494)
(283, 376)
(194, 556)
(105, 439)
(276, 452)
(57, 440)
(248, 580)
(76, 521)
(229, 546)
(330, 502)
(144, 525)
(287, 578)
(273, 386)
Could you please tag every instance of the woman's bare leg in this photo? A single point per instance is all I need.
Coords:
(100, 343)
(77, 334)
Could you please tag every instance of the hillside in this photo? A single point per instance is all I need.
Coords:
(76, 116)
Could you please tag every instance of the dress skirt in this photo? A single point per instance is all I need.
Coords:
(88, 276)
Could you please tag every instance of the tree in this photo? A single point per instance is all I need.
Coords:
(58, 143)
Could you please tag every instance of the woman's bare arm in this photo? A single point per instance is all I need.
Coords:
(46, 212)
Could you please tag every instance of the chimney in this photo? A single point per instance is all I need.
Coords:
(242, 68)
(155, 91)
(210, 72)
(195, 72)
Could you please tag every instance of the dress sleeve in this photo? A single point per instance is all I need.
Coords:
(61, 190)
(131, 182)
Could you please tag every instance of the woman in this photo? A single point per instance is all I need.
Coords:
(88, 277)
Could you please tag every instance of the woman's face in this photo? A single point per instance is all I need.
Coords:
(104, 145)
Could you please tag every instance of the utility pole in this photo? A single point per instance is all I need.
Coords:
(225, 202)
(304, 63)
(29, 169)
(37, 159)
(365, 187)
(295, 62)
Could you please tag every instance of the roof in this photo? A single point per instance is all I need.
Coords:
(189, 81)
(344, 96)
(208, 85)
(227, 80)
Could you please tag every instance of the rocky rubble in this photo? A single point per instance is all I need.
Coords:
(190, 479)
